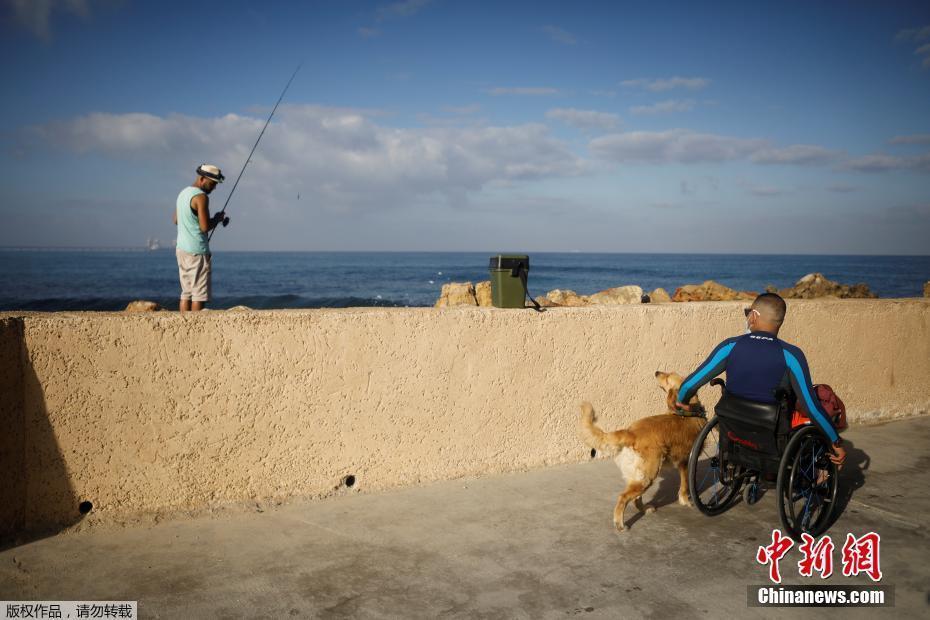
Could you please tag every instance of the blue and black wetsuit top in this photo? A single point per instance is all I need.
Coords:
(757, 364)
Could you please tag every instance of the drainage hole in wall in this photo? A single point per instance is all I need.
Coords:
(85, 507)
(349, 481)
(593, 453)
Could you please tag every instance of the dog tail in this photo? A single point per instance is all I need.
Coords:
(599, 439)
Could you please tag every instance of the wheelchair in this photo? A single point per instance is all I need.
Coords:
(748, 445)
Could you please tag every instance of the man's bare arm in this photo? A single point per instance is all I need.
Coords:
(201, 204)
(207, 223)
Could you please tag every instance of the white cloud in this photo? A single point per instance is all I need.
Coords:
(765, 191)
(881, 162)
(462, 110)
(916, 35)
(339, 158)
(672, 146)
(662, 84)
(401, 9)
(559, 35)
(924, 50)
(664, 107)
(686, 146)
(913, 34)
(35, 15)
(795, 154)
(523, 90)
(917, 138)
(584, 119)
(875, 163)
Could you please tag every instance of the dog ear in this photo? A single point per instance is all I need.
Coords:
(671, 398)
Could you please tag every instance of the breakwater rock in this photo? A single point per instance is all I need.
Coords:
(457, 294)
(815, 285)
(464, 294)
(811, 286)
(927, 289)
(710, 291)
(483, 294)
(618, 295)
(559, 297)
(141, 305)
(468, 294)
(659, 296)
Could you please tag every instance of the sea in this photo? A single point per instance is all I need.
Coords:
(95, 279)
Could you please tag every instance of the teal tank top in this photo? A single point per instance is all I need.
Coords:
(190, 238)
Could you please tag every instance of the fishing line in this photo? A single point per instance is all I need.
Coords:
(255, 146)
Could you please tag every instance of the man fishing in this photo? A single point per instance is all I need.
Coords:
(192, 217)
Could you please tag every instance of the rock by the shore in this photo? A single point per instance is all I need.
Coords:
(559, 297)
(483, 294)
(815, 285)
(618, 295)
(466, 294)
(927, 289)
(141, 305)
(659, 296)
(457, 294)
(239, 309)
(710, 291)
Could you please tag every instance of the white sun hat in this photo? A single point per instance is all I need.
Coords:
(211, 172)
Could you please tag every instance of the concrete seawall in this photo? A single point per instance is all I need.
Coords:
(158, 412)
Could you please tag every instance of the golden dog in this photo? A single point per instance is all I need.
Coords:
(646, 445)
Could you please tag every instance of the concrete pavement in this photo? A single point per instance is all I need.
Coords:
(538, 544)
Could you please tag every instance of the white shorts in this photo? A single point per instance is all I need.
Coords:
(194, 272)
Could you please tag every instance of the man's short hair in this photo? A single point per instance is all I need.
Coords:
(771, 307)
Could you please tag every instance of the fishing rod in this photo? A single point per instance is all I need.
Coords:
(255, 146)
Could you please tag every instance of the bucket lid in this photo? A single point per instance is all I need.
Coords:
(509, 261)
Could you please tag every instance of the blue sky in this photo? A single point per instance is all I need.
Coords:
(795, 127)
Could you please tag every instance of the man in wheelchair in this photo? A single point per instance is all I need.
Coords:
(751, 441)
(759, 367)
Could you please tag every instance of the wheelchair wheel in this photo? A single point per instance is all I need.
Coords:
(807, 483)
(712, 483)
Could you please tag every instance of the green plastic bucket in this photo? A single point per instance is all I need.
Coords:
(508, 280)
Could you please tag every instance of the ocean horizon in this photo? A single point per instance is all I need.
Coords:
(55, 279)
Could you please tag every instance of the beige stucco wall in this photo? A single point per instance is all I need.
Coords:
(162, 412)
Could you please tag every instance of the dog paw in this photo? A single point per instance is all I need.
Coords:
(686, 501)
(619, 526)
(650, 509)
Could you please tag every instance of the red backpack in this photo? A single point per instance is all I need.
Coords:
(831, 403)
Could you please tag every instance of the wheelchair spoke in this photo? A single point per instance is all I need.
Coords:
(806, 515)
(807, 499)
(711, 477)
(707, 473)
